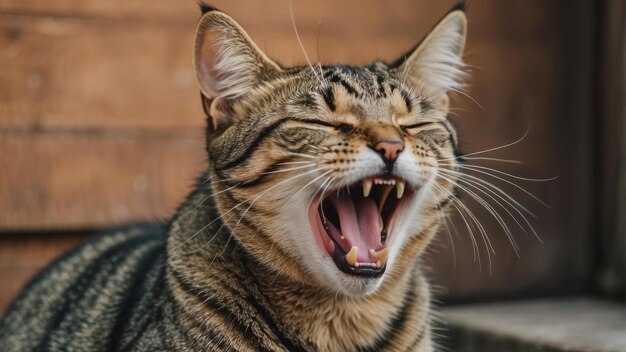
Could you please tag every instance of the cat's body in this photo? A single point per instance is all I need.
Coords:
(322, 192)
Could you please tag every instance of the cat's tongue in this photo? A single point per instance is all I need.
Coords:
(360, 224)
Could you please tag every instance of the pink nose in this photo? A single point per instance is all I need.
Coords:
(389, 150)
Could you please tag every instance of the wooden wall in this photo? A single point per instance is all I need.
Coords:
(100, 121)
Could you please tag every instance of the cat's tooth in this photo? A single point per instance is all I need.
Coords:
(383, 197)
(400, 189)
(380, 256)
(367, 187)
(351, 256)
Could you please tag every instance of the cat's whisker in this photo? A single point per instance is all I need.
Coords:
(490, 149)
(508, 182)
(306, 56)
(204, 227)
(207, 198)
(289, 169)
(296, 163)
(494, 159)
(467, 96)
(454, 201)
(485, 190)
(310, 183)
(317, 47)
(494, 213)
(233, 208)
(507, 174)
(491, 211)
(213, 237)
(444, 221)
(302, 155)
(493, 187)
(244, 213)
(270, 188)
(318, 148)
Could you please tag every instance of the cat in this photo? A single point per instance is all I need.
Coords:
(305, 232)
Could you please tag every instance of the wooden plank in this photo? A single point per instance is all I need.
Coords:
(89, 181)
(73, 73)
(23, 255)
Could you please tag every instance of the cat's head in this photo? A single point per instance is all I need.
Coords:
(330, 174)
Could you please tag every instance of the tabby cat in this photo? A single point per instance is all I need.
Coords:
(306, 230)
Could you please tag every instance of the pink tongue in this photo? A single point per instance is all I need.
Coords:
(360, 224)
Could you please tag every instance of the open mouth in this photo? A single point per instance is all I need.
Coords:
(356, 223)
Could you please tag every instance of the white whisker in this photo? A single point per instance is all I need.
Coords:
(512, 184)
(491, 210)
(491, 149)
(289, 169)
(493, 159)
(295, 28)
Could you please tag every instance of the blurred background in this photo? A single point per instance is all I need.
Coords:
(101, 125)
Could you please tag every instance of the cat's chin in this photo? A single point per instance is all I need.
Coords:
(351, 285)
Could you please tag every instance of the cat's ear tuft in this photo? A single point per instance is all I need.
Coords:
(204, 7)
(227, 62)
(461, 5)
(435, 66)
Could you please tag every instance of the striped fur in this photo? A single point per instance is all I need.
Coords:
(239, 268)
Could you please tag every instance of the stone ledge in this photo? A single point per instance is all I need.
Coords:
(561, 324)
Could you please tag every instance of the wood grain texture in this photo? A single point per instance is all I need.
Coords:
(61, 181)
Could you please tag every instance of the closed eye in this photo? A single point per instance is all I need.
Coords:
(406, 128)
(343, 127)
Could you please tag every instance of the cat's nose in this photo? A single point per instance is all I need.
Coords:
(386, 140)
(389, 150)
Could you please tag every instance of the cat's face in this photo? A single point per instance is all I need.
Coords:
(331, 175)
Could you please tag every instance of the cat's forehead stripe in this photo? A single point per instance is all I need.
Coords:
(366, 84)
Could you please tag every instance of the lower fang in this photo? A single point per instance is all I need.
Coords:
(380, 256)
(352, 255)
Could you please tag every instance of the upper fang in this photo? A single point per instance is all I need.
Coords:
(400, 189)
(367, 187)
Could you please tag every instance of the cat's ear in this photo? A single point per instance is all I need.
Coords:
(227, 62)
(435, 65)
